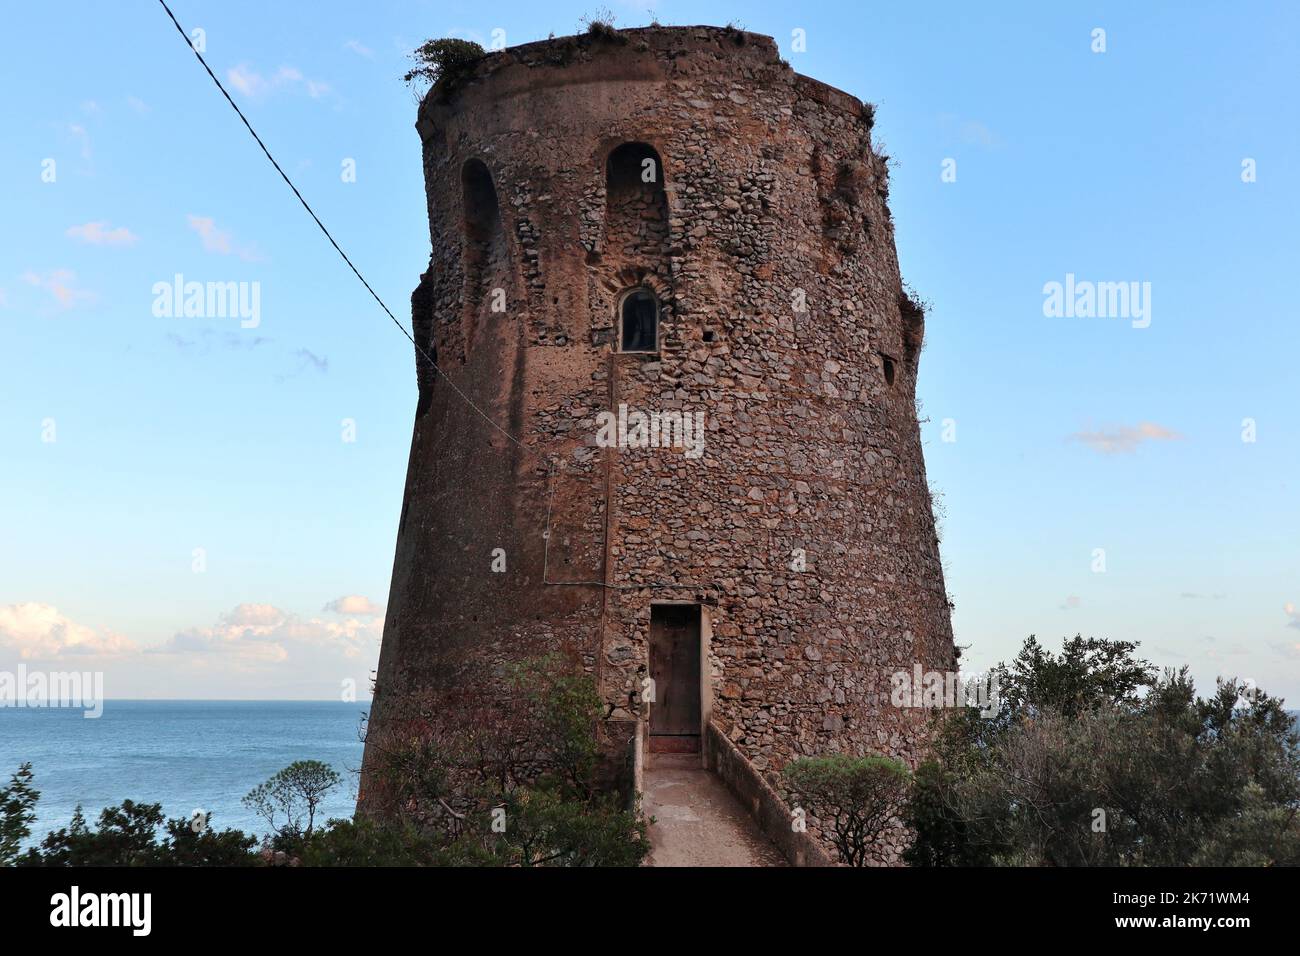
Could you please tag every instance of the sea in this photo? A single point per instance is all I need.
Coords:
(185, 754)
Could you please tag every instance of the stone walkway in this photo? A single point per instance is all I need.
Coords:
(697, 822)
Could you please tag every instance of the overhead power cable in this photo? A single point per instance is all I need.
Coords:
(434, 365)
(337, 248)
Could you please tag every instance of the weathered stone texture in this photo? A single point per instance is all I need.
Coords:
(771, 197)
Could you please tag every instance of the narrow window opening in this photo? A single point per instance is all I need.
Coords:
(484, 254)
(639, 322)
(636, 206)
(889, 369)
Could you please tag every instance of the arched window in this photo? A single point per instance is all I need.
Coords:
(638, 314)
(634, 168)
(484, 257)
(888, 364)
(636, 206)
(479, 202)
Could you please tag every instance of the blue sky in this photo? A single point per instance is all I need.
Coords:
(1072, 434)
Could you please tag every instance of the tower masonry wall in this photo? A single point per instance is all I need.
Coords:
(802, 526)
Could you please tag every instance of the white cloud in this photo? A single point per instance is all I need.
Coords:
(354, 604)
(218, 240)
(253, 84)
(359, 48)
(39, 631)
(1293, 613)
(79, 133)
(137, 104)
(1289, 650)
(254, 615)
(252, 650)
(1125, 438)
(59, 283)
(100, 234)
(265, 634)
(246, 80)
(1222, 651)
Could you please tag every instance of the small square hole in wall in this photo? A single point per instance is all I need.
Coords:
(708, 335)
(889, 368)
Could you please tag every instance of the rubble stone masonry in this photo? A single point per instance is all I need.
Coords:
(805, 529)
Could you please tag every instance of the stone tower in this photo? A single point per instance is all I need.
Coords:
(634, 233)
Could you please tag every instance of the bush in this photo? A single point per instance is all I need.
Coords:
(1094, 760)
(541, 827)
(940, 835)
(507, 779)
(443, 62)
(127, 835)
(858, 799)
(600, 26)
(364, 842)
(207, 847)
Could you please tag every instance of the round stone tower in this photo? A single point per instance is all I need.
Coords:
(672, 428)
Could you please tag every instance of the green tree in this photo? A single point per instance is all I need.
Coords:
(128, 835)
(858, 799)
(560, 708)
(1089, 672)
(289, 801)
(941, 835)
(186, 845)
(1093, 759)
(17, 812)
(543, 827)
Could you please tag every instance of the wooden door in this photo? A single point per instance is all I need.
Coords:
(675, 670)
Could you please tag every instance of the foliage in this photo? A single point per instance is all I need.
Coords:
(1094, 759)
(518, 790)
(859, 799)
(506, 779)
(544, 828)
(293, 796)
(17, 811)
(941, 837)
(600, 26)
(206, 847)
(365, 842)
(127, 835)
(563, 707)
(1089, 672)
(460, 748)
(443, 61)
(539, 827)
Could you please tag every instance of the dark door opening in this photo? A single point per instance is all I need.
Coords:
(675, 670)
